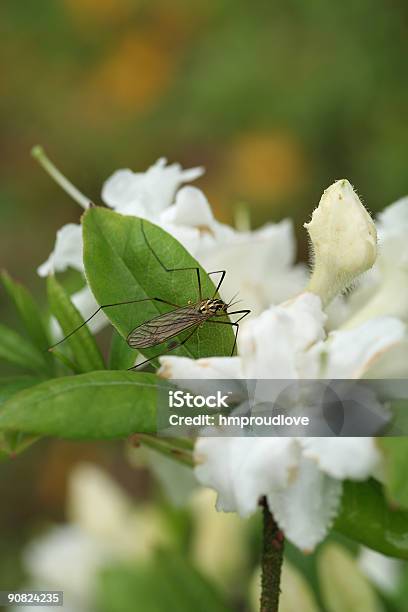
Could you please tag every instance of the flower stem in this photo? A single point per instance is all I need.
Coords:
(39, 155)
(170, 448)
(272, 557)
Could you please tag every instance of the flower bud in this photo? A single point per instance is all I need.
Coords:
(344, 241)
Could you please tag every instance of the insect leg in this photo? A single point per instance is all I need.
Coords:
(177, 345)
(197, 270)
(235, 324)
(223, 273)
(109, 306)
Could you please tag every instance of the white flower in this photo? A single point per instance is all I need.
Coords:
(146, 194)
(301, 477)
(67, 252)
(385, 291)
(260, 264)
(191, 221)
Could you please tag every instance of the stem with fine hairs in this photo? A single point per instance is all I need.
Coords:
(272, 557)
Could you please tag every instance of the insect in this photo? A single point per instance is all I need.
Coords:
(170, 324)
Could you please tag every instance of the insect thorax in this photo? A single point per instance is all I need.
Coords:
(212, 306)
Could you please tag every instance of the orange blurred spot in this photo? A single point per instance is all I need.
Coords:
(98, 12)
(265, 166)
(134, 76)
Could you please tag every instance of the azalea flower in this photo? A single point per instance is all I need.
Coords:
(143, 194)
(67, 252)
(300, 477)
(247, 256)
(184, 212)
(146, 194)
(385, 289)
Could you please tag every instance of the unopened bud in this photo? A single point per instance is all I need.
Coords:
(344, 241)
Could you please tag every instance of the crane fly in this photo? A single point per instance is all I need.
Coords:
(170, 324)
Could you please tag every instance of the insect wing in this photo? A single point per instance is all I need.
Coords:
(164, 326)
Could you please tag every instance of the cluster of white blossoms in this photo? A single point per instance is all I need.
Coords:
(287, 336)
(302, 477)
(184, 212)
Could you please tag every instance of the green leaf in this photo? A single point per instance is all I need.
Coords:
(344, 587)
(366, 517)
(120, 266)
(121, 356)
(84, 348)
(395, 451)
(96, 405)
(30, 316)
(12, 384)
(168, 582)
(13, 442)
(19, 351)
(396, 465)
(70, 365)
(399, 422)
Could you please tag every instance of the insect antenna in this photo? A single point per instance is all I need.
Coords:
(230, 305)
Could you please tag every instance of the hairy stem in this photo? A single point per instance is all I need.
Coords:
(272, 557)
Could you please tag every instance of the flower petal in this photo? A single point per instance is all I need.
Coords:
(195, 374)
(392, 226)
(146, 193)
(237, 469)
(260, 265)
(306, 508)
(190, 208)
(206, 368)
(67, 251)
(355, 458)
(273, 344)
(385, 291)
(351, 353)
(393, 363)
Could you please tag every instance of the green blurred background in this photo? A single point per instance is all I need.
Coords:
(276, 100)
